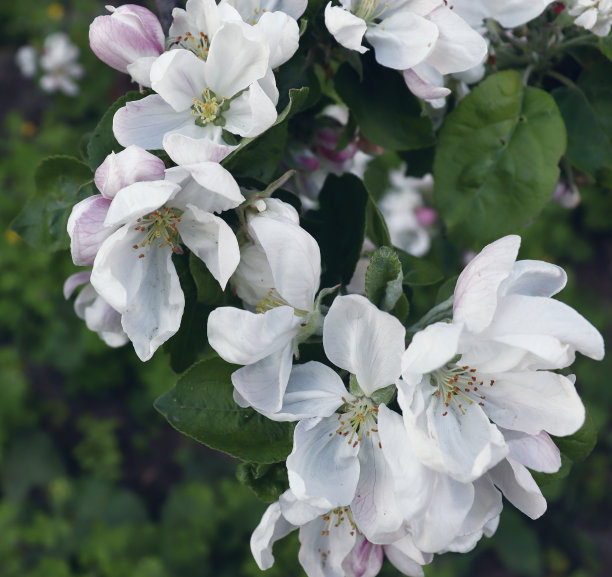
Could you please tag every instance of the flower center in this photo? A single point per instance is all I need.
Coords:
(199, 44)
(457, 385)
(257, 15)
(208, 109)
(160, 228)
(336, 517)
(358, 420)
(369, 10)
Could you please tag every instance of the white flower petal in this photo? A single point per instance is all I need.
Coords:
(403, 40)
(406, 557)
(364, 560)
(534, 278)
(262, 384)
(281, 32)
(475, 299)
(518, 486)
(538, 452)
(242, 337)
(140, 70)
(74, 281)
(271, 528)
(429, 350)
(322, 464)
(235, 62)
(532, 401)
(345, 27)
(294, 258)
(424, 86)
(251, 113)
(364, 340)
(212, 240)
(313, 390)
(184, 150)
(137, 200)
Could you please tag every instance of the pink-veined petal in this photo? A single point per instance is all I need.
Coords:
(538, 452)
(86, 229)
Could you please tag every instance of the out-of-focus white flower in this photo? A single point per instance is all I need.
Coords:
(98, 315)
(408, 219)
(491, 366)
(509, 14)
(594, 15)
(200, 98)
(129, 40)
(26, 61)
(59, 64)
(566, 194)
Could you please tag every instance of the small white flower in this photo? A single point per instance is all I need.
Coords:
(59, 64)
(594, 15)
(509, 14)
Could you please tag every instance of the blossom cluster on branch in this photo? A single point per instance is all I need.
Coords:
(259, 208)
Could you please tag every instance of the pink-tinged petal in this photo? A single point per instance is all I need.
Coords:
(345, 27)
(179, 76)
(138, 200)
(561, 329)
(235, 62)
(74, 281)
(251, 113)
(262, 384)
(100, 317)
(518, 486)
(374, 507)
(313, 390)
(134, 164)
(271, 528)
(406, 557)
(282, 34)
(442, 521)
(217, 190)
(413, 481)
(184, 150)
(242, 337)
(322, 553)
(403, 40)
(538, 452)
(422, 86)
(532, 401)
(86, 229)
(364, 340)
(459, 47)
(129, 33)
(323, 465)
(294, 258)
(534, 278)
(475, 299)
(429, 350)
(145, 122)
(212, 240)
(364, 560)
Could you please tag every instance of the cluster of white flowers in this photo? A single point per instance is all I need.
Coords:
(408, 453)
(58, 62)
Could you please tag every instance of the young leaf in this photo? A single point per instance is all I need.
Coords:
(497, 157)
(579, 445)
(61, 182)
(268, 482)
(201, 405)
(384, 282)
(387, 112)
(418, 271)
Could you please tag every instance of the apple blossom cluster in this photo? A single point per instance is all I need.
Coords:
(405, 440)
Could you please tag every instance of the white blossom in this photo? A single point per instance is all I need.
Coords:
(594, 15)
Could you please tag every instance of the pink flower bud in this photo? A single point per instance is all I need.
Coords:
(426, 216)
(129, 33)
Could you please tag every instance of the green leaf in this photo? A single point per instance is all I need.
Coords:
(339, 226)
(496, 163)
(61, 182)
(579, 445)
(388, 114)
(418, 271)
(102, 141)
(605, 45)
(268, 482)
(383, 282)
(201, 405)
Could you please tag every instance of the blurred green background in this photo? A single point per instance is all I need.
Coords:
(94, 483)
